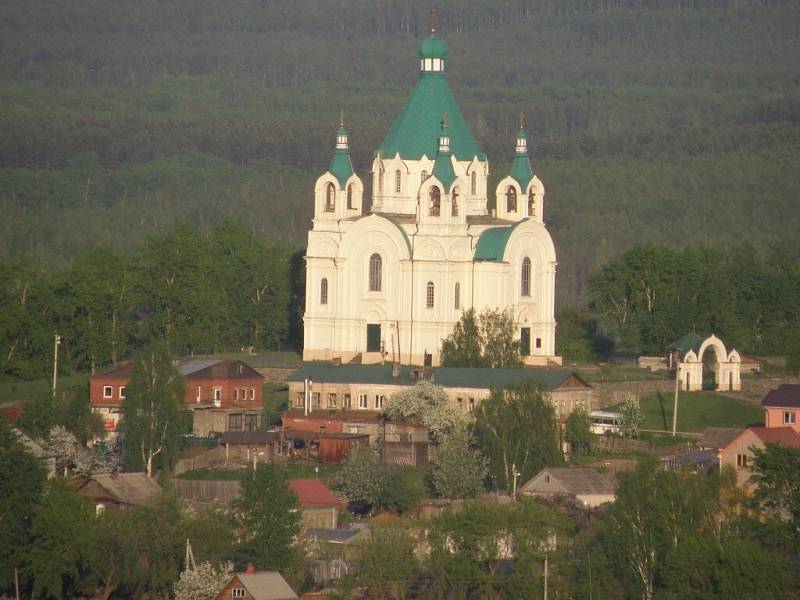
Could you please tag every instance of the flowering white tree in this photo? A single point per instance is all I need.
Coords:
(204, 583)
(70, 455)
(428, 404)
(631, 417)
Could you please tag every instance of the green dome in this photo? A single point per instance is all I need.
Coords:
(341, 131)
(433, 47)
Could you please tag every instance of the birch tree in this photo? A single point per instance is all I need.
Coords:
(153, 417)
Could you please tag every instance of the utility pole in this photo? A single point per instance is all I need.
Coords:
(56, 344)
(675, 404)
(514, 475)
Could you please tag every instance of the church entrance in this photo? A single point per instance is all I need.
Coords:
(525, 341)
(373, 337)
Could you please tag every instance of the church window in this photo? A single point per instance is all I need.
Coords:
(455, 202)
(511, 199)
(457, 296)
(474, 183)
(380, 183)
(375, 272)
(423, 176)
(350, 197)
(436, 201)
(323, 291)
(330, 195)
(525, 278)
(429, 295)
(531, 204)
(397, 181)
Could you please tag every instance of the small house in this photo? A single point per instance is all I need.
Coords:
(588, 486)
(244, 446)
(782, 406)
(739, 452)
(257, 585)
(318, 505)
(119, 490)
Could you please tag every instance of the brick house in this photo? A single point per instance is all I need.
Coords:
(782, 407)
(225, 395)
(739, 452)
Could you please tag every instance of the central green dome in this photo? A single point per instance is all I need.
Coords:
(433, 47)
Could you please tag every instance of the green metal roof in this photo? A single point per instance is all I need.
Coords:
(521, 169)
(691, 341)
(415, 131)
(443, 171)
(433, 47)
(341, 166)
(449, 377)
(492, 243)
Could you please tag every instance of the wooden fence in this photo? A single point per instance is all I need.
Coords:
(206, 460)
(208, 491)
(620, 445)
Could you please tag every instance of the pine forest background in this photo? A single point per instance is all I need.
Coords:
(133, 133)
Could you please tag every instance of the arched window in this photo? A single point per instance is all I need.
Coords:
(436, 201)
(330, 198)
(525, 277)
(397, 181)
(323, 291)
(457, 296)
(531, 204)
(375, 272)
(350, 197)
(380, 183)
(423, 176)
(511, 199)
(429, 295)
(473, 184)
(455, 202)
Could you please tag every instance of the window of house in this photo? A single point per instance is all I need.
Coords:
(323, 291)
(789, 417)
(217, 393)
(429, 295)
(251, 422)
(199, 393)
(375, 272)
(435, 196)
(330, 198)
(454, 205)
(299, 399)
(471, 405)
(350, 197)
(315, 399)
(525, 277)
(511, 199)
(531, 204)
(538, 342)
(347, 401)
(397, 181)
(235, 393)
(379, 398)
(362, 401)
(473, 179)
(741, 461)
(108, 391)
(235, 422)
(460, 403)
(457, 296)
(252, 393)
(331, 400)
(238, 593)
(122, 393)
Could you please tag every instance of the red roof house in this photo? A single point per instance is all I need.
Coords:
(318, 504)
(781, 407)
(739, 452)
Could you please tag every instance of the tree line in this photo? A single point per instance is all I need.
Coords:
(201, 293)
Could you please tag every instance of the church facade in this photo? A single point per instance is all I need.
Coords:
(391, 283)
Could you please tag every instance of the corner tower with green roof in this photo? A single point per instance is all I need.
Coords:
(391, 283)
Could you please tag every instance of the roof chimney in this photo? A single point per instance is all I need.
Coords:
(250, 569)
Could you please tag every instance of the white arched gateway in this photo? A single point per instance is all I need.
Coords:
(694, 354)
(392, 283)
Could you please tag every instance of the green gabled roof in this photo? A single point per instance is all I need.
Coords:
(415, 131)
(449, 377)
(492, 243)
(341, 166)
(521, 171)
(691, 341)
(443, 171)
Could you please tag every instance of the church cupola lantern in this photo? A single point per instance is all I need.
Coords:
(444, 138)
(432, 52)
(341, 135)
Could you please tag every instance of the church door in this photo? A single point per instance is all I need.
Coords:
(373, 337)
(525, 341)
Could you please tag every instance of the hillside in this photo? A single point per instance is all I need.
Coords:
(671, 121)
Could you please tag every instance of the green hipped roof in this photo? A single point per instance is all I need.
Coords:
(449, 377)
(433, 47)
(415, 131)
(341, 167)
(492, 243)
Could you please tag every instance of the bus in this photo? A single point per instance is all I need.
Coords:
(605, 422)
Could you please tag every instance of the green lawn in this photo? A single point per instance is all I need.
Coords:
(610, 374)
(294, 470)
(696, 411)
(38, 388)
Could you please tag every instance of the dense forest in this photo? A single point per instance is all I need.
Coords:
(660, 121)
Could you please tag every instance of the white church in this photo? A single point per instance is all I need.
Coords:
(390, 284)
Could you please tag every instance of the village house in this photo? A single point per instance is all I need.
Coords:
(319, 507)
(335, 552)
(244, 446)
(782, 407)
(588, 486)
(119, 490)
(739, 452)
(224, 395)
(257, 585)
(366, 388)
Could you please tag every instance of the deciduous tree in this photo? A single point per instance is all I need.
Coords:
(460, 469)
